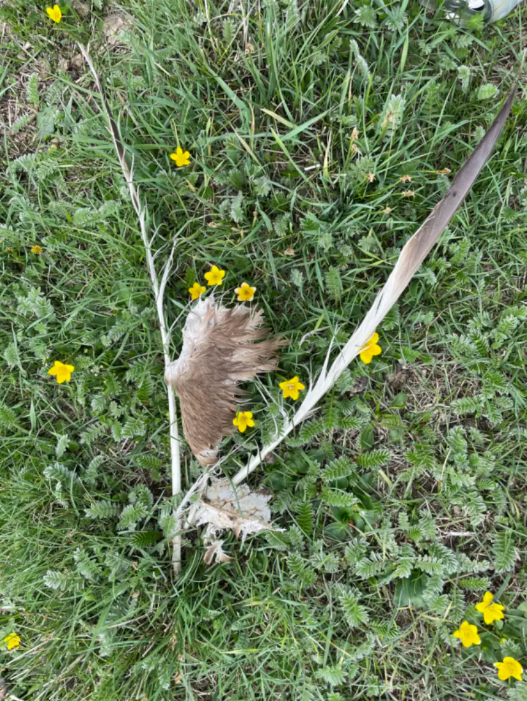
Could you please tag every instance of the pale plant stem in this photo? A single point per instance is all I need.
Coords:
(159, 293)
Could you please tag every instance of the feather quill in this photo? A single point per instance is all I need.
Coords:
(410, 258)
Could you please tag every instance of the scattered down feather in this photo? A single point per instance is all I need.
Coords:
(224, 507)
(215, 553)
(221, 348)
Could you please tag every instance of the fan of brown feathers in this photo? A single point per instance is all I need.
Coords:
(221, 348)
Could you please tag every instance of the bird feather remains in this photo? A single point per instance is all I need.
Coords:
(411, 257)
(225, 508)
(221, 348)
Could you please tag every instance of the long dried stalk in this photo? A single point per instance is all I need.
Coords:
(158, 288)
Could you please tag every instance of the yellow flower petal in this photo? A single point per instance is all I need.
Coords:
(12, 640)
(509, 668)
(491, 612)
(366, 356)
(61, 371)
(36, 249)
(243, 420)
(182, 158)
(245, 292)
(215, 276)
(487, 599)
(468, 634)
(196, 290)
(369, 349)
(54, 13)
(291, 388)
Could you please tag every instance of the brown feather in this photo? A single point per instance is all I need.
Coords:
(221, 348)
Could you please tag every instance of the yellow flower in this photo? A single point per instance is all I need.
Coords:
(243, 419)
(54, 13)
(509, 668)
(245, 292)
(12, 641)
(291, 388)
(182, 158)
(405, 179)
(36, 249)
(215, 276)
(63, 372)
(468, 634)
(196, 290)
(491, 612)
(370, 349)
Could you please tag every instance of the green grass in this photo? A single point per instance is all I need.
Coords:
(384, 553)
